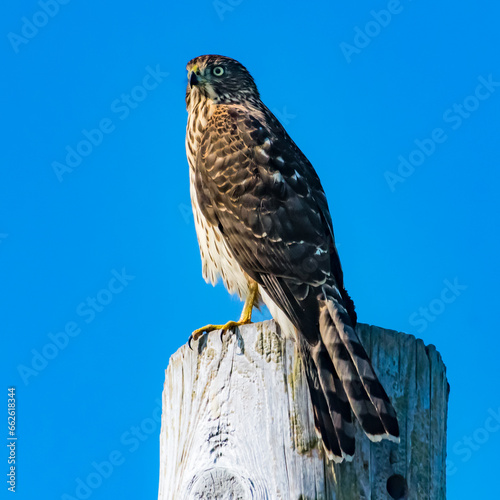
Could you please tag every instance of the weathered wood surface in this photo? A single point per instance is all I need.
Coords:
(237, 423)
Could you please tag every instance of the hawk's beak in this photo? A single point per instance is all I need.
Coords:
(193, 79)
(194, 76)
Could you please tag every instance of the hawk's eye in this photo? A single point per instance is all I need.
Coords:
(218, 71)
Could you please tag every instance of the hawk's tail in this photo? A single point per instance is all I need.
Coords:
(341, 378)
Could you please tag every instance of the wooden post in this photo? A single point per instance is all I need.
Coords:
(237, 423)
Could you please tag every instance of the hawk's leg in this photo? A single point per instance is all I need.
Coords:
(245, 318)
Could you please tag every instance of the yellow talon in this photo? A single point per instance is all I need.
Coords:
(245, 318)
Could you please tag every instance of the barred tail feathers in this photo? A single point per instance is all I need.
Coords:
(332, 414)
(367, 398)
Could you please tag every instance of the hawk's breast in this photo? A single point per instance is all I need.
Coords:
(217, 259)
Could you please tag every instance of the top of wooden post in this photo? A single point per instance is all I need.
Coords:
(237, 422)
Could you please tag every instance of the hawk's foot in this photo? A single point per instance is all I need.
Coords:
(210, 328)
(246, 316)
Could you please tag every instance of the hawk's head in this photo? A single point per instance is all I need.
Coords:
(221, 79)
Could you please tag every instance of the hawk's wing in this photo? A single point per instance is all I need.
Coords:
(256, 185)
(258, 188)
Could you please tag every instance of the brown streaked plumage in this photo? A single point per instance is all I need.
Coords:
(263, 225)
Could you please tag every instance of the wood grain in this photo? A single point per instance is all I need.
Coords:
(237, 423)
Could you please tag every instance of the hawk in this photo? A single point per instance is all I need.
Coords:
(264, 227)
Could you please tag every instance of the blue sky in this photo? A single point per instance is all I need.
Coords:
(395, 103)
